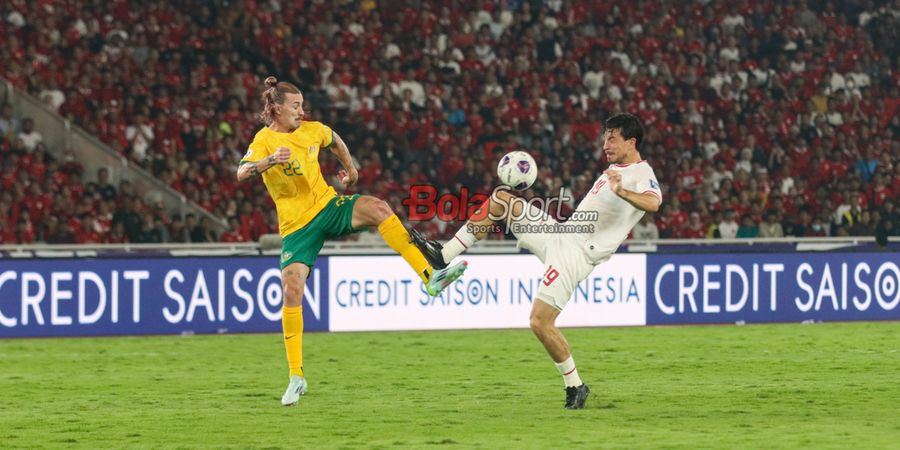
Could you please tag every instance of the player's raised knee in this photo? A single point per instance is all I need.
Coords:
(377, 209)
(383, 209)
(501, 195)
(501, 201)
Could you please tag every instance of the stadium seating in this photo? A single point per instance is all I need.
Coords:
(756, 113)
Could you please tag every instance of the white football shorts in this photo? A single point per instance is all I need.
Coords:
(565, 262)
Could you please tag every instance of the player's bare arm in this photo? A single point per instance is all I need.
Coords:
(349, 175)
(645, 201)
(254, 169)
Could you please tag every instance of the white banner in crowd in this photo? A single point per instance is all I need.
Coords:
(382, 293)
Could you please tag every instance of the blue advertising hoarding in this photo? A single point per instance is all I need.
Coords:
(90, 297)
(780, 287)
(122, 296)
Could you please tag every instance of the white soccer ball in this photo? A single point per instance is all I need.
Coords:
(517, 170)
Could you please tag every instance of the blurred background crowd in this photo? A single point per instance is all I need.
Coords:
(762, 118)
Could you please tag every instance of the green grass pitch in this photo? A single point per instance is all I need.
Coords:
(757, 386)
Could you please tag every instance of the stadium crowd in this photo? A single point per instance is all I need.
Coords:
(769, 118)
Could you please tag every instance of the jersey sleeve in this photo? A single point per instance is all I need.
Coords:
(646, 182)
(256, 152)
(327, 135)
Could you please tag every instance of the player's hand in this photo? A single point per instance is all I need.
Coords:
(348, 178)
(615, 181)
(282, 155)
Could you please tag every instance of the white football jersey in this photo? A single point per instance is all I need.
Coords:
(615, 217)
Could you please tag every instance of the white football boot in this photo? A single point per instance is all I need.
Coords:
(295, 389)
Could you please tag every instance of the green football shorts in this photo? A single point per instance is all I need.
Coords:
(303, 245)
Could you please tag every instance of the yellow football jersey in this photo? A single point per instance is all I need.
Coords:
(297, 187)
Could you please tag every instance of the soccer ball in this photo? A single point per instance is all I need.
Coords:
(517, 170)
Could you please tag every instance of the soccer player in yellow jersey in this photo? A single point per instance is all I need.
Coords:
(285, 153)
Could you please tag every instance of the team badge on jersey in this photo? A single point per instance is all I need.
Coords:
(313, 148)
(654, 184)
(286, 256)
(249, 152)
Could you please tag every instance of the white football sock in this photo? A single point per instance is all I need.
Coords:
(569, 372)
(462, 240)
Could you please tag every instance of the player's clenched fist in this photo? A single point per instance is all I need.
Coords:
(281, 156)
(348, 178)
(615, 180)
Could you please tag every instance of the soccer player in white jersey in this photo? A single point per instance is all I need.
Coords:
(617, 201)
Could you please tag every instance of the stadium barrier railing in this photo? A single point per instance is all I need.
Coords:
(271, 245)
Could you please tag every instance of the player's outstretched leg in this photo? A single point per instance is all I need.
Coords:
(543, 324)
(498, 204)
(371, 211)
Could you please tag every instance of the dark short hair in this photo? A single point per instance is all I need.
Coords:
(629, 126)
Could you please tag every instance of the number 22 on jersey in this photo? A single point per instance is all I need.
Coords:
(293, 168)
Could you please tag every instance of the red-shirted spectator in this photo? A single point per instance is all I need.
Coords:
(201, 110)
(693, 229)
(87, 234)
(234, 233)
